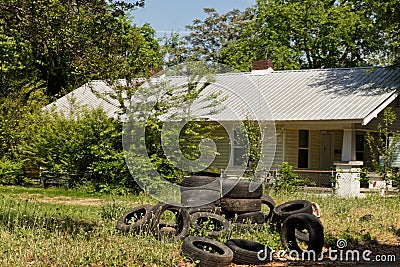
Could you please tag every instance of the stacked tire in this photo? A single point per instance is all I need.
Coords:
(242, 203)
(240, 208)
(201, 193)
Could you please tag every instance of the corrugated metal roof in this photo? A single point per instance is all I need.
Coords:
(305, 95)
(315, 95)
(87, 96)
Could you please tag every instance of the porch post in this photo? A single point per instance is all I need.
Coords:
(348, 178)
(349, 145)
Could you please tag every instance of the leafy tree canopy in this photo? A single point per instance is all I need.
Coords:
(68, 42)
(299, 34)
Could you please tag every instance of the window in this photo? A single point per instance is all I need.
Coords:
(360, 144)
(303, 148)
(240, 146)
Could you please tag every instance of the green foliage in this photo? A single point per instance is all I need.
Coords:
(253, 133)
(288, 179)
(112, 210)
(14, 113)
(66, 43)
(85, 146)
(388, 19)
(208, 37)
(300, 34)
(384, 143)
(364, 179)
(173, 143)
(10, 172)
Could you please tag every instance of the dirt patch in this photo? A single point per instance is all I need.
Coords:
(70, 201)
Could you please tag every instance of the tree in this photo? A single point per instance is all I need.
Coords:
(388, 19)
(298, 34)
(208, 37)
(384, 144)
(69, 42)
(174, 49)
(48, 48)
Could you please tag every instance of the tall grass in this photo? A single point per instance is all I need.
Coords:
(34, 233)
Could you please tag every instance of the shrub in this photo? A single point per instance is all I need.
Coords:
(84, 146)
(11, 172)
(288, 179)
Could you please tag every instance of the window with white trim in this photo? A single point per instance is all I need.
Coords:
(303, 149)
(239, 145)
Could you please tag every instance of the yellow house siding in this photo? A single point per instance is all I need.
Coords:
(291, 149)
(314, 149)
(223, 147)
(279, 149)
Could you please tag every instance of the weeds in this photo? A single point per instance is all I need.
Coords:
(34, 233)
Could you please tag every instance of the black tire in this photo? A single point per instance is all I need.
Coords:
(193, 248)
(287, 209)
(221, 225)
(201, 182)
(142, 214)
(249, 252)
(257, 217)
(203, 197)
(206, 208)
(267, 200)
(182, 222)
(241, 189)
(240, 205)
(300, 222)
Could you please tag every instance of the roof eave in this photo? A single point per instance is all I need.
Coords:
(373, 114)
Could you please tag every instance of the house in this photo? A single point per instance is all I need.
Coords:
(320, 116)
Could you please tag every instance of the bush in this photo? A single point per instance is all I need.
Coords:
(84, 146)
(288, 179)
(11, 172)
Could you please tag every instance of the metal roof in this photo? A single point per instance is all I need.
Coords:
(356, 94)
(87, 96)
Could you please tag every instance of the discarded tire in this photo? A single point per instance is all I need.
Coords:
(182, 221)
(284, 210)
(240, 205)
(212, 208)
(201, 182)
(303, 222)
(267, 200)
(241, 189)
(217, 254)
(249, 252)
(202, 197)
(201, 220)
(135, 219)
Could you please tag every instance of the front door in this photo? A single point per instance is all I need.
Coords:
(326, 151)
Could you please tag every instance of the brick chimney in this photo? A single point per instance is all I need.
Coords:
(262, 66)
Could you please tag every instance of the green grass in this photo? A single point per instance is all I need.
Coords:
(37, 230)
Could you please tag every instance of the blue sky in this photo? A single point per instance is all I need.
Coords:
(173, 15)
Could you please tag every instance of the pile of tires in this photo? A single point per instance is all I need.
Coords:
(239, 208)
(242, 204)
(201, 193)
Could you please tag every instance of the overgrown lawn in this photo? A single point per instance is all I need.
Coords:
(34, 232)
